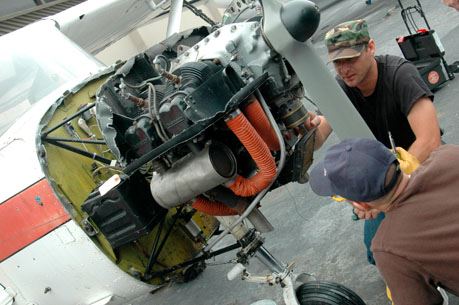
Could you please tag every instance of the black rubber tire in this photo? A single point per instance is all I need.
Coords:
(193, 271)
(326, 293)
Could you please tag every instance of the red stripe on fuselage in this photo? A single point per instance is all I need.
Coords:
(28, 216)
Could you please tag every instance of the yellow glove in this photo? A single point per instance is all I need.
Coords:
(408, 162)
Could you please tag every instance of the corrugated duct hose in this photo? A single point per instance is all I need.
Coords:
(259, 152)
(258, 137)
(260, 122)
(213, 208)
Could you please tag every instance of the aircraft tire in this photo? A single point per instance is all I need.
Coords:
(326, 293)
(193, 271)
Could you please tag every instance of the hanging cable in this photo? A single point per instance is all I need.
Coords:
(199, 13)
(152, 93)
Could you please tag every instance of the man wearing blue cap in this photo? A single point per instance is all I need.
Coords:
(416, 248)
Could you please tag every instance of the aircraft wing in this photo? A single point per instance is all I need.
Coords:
(96, 24)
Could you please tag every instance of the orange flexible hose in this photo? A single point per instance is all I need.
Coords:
(213, 208)
(257, 117)
(259, 152)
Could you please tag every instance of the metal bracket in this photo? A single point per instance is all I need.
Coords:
(88, 227)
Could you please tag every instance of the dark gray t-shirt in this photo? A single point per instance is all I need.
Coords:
(398, 87)
(417, 245)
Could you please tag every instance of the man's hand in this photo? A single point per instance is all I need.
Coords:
(312, 121)
(323, 129)
(364, 213)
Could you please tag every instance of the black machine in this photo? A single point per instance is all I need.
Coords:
(424, 48)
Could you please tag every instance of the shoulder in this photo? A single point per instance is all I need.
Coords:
(394, 65)
(447, 154)
(404, 81)
(448, 148)
(440, 169)
(391, 61)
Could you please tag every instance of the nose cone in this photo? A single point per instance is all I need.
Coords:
(301, 18)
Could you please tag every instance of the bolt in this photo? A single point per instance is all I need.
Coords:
(47, 289)
(217, 33)
(233, 28)
(230, 46)
(42, 153)
(196, 47)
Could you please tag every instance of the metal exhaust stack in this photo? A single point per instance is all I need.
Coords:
(193, 175)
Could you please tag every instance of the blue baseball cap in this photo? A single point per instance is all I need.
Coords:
(354, 169)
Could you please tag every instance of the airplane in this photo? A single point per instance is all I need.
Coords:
(117, 179)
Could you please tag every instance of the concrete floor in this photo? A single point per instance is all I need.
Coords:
(315, 233)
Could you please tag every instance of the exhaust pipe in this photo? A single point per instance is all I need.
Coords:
(193, 175)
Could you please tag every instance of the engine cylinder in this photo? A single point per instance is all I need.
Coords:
(293, 113)
(193, 175)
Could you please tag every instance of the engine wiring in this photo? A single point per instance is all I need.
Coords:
(199, 13)
(152, 104)
(142, 84)
(152, 93)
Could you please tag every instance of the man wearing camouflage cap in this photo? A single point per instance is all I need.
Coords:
(389, 94)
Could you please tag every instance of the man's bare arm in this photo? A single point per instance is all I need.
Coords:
(323, 128)
(424, 123)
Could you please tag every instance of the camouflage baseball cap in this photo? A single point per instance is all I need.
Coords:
(347, 39)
